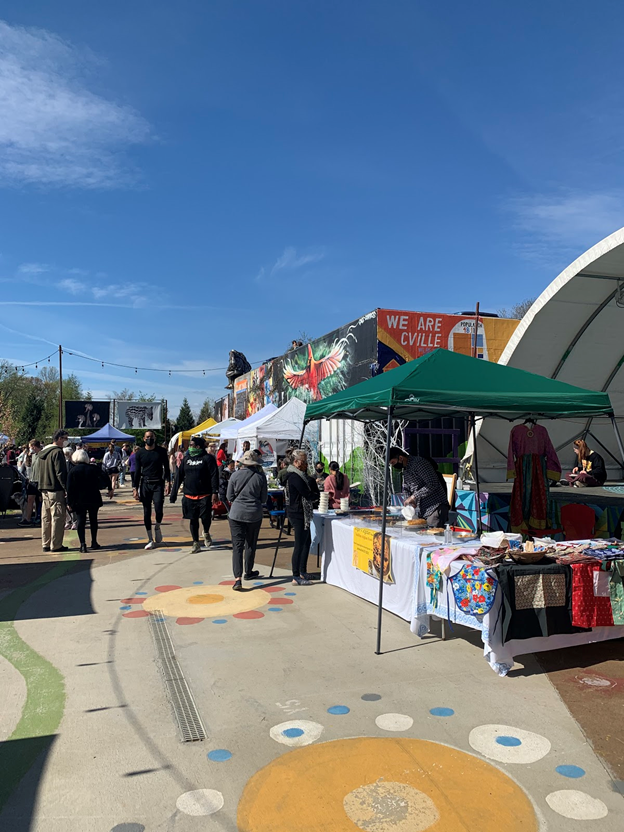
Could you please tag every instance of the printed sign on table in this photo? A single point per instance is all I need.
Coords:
(367, 553)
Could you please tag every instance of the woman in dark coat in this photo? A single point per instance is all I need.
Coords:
(84, 483)
(302, 495)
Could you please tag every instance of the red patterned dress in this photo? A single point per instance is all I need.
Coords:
(532, 463)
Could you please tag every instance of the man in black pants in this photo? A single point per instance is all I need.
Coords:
(200, 475)
(151, 484)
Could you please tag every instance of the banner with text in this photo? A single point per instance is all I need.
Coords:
(367, 553)
(404, 336)
(139, 415)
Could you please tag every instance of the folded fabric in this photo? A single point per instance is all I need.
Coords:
(616, 589)
(589, 609)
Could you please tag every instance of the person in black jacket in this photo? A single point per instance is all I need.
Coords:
(84, 483)
(590, 467)
(200, 475)
(301, 493)
(225, 472)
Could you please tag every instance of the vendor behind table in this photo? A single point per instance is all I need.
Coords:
(424, 486)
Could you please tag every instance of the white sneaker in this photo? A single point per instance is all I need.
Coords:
(158, 534)
(195, 548)
(151, 545)
(207, 541)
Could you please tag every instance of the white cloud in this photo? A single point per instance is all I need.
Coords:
(74, 287)
(564, 225)
(289, 260)
(33, 268)
(54, 131)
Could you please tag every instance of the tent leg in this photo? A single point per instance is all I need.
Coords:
(618, 438)
(476, 474)
(383, 530)
(302, 435)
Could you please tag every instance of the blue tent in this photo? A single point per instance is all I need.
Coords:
(106, 434)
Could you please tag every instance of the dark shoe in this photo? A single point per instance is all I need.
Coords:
(83, 550)
(62, 549)
(46, 549)
(24, 522)
(238, 586)
(251, 575)
(95, 545)
(307, 576)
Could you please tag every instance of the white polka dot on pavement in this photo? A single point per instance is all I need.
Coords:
(508, 745)
(394, 722)
(296, 732)
(576, 805)
(200, 802)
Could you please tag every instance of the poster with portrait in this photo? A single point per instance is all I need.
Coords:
(92, 415)
(367, 554)
(139, 415)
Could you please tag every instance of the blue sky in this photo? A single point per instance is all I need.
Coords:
(177, 180)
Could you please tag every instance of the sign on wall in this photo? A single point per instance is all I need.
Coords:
(404, 336)
(139, 415)
(87, 414)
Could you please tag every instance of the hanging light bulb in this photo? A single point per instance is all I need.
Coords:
(102, 365)
(204, 372)
(135, 370)
(36, 366)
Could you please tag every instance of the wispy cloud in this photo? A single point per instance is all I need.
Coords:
(54, 131)
(74, 287)
(33, 268)
(561, 226)
(290, 260)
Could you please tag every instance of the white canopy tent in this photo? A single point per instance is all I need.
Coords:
(216, 430)
(284, 423)
(233, 431)
(574, 332)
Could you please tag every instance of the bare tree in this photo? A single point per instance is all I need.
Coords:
(517, 310)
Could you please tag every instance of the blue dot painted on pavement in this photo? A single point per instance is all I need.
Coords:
(571, 771)
(220, 621)
(509, 742)
(442, 712)
(158, 619)
(126, 607)
(275, 609)
(338, 709)
(293, 732)
(257, 583)
(219, 755)
(197, 583)
(290, 593)
(140, 593)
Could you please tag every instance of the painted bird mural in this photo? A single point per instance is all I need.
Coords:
(315, 371)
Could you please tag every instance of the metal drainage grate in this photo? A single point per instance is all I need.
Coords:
(185, 710)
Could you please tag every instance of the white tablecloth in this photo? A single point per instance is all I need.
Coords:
(338, 570)
(500, 656)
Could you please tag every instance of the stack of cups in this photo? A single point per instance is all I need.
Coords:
(324, 503)
(344, 504)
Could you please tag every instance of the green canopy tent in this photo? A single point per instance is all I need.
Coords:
(444, 383)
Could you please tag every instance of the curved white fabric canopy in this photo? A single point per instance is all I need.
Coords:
(232, 431)
(574, 332)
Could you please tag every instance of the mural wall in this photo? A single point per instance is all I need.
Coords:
(404, 336)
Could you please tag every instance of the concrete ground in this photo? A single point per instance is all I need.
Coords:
(306, 728)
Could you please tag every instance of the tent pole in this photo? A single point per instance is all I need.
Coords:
(302, 434)
(618, 438)
(383, 530)
(476, 474)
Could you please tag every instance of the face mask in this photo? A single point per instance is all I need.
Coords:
(150, 441)
(320, 470)
(65, 443)
(398, 466)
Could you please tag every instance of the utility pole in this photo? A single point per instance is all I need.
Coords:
(60, 387)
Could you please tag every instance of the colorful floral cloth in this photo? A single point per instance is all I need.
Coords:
(616, 590)
(474, 590)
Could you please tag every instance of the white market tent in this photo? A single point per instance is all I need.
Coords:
(233, 431)
(216, 430)
(284, 423)
(574, 332)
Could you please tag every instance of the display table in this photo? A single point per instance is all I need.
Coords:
(337, 566)
(499, 655)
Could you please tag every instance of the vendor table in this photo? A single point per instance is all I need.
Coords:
(499, 655)
(409, 596)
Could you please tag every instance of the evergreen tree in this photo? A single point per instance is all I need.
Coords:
(206, 411)
(185, 420)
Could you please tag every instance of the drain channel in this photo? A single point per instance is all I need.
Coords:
(185, 711)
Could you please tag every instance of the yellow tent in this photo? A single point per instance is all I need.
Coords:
(185, 435)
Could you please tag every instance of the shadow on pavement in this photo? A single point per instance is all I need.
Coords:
(71, 601)
(21, 758)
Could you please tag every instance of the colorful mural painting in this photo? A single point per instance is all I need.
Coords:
(404, 336)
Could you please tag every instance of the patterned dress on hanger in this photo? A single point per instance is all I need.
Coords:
(532, 463)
